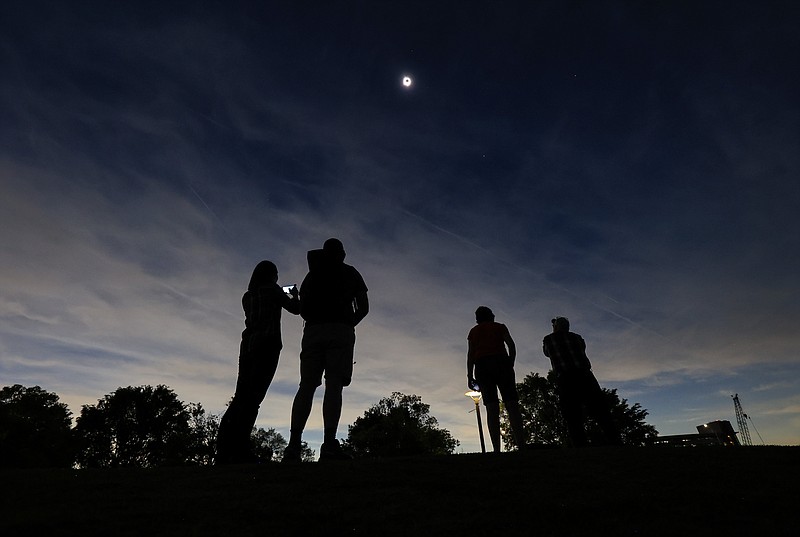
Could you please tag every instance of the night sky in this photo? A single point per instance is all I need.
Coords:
(633, 166)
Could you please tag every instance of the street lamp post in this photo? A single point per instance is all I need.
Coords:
(476, 396)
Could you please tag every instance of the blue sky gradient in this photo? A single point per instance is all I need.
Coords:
(632, 167)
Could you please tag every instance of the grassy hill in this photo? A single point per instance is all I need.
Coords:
(620, 492)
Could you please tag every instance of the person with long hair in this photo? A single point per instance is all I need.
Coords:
(259, 353)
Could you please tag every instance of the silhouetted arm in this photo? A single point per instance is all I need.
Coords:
(512, 348)
(470, 365)
(361, 303)
(291, 304)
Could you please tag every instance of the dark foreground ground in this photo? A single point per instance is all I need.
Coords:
(619, 492)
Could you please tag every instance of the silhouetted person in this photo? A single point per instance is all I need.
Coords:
(333, 300)
(258, 359)
(491, 358)
(579, 393)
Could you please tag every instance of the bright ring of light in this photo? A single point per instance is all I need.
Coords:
(407, 81)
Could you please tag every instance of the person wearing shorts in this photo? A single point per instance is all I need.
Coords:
(490, 368)
(333, 300)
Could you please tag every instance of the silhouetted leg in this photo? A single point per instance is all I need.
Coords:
(301, 410)
(226, 437)
(486, 375)
(597, 408)
(331, 409)
(493, 424)
(573, 416)
(311, 367)
(572, 411)
(610, 430)
(229, 439)
(256, 371)
(515, 419)
(338, 374)
(508, 390)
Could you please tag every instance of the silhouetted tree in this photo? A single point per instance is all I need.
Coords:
(203, 430)
(268, 445)
(398, 425)
(34, 429)
(541, 416)
(141, 427)
(544, 425)
(634, 431)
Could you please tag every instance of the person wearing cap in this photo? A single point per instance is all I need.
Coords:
(333, 300)
(259, 352)
(579, 393)
(490, 367)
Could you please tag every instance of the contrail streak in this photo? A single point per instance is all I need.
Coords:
(209, 209)
(448, 232)
(530, 271)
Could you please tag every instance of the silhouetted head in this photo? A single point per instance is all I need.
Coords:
(334, 249)
(560, 324)
(483, 314)
(265, 273)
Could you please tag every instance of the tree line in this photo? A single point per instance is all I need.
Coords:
(141, 427)
(148, 426)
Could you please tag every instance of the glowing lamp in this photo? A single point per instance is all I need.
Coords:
(476, 397)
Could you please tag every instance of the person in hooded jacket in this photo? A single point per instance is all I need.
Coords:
(333, 300)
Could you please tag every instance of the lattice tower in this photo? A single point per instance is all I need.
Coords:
(741, 420)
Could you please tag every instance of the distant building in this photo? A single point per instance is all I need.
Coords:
(715, 433)
(722, 429)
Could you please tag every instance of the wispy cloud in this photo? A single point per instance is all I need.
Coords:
(145, 171)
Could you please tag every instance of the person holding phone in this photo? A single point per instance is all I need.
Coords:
(259, 353)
